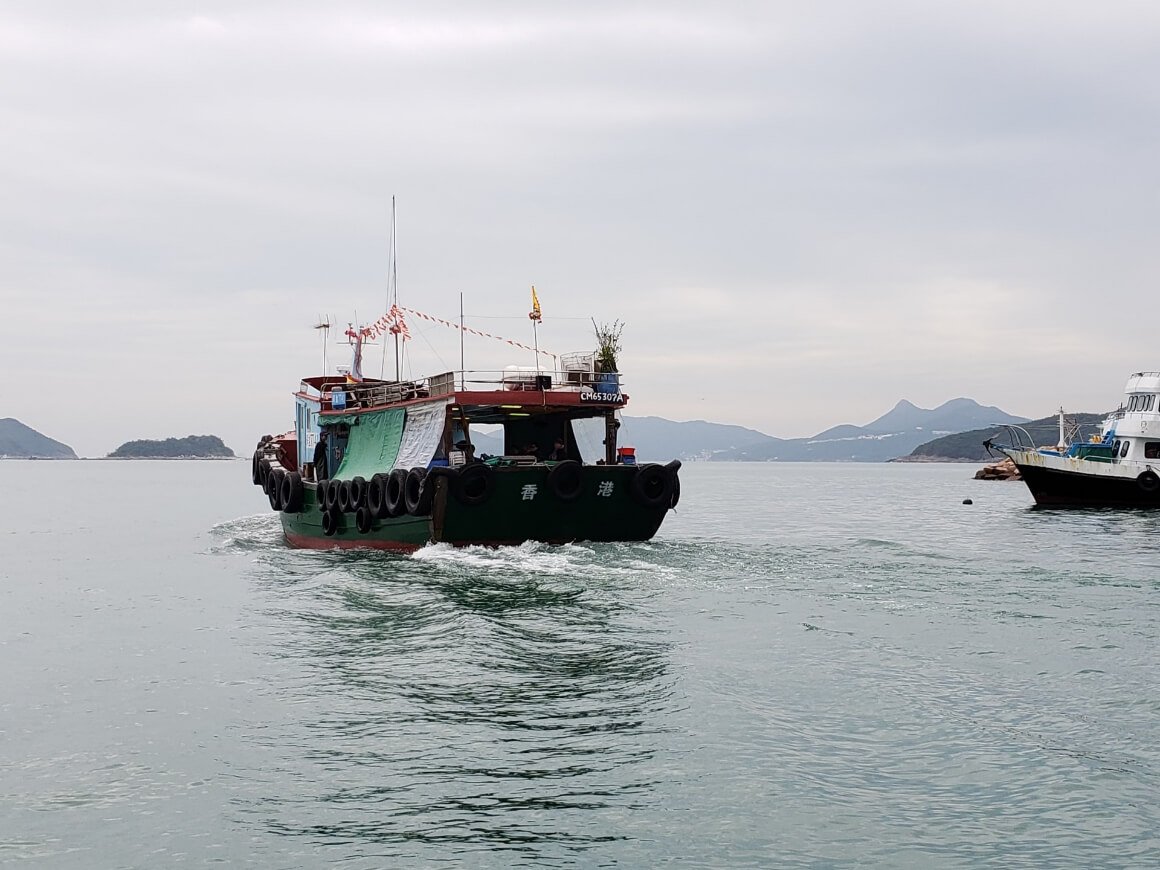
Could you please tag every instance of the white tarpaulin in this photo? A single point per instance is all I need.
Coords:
(422, 431)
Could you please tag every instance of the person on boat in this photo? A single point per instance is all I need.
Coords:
(559, 452)
(320, 469)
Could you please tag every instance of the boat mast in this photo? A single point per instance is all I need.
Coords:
(462, 365)
(392, 294)
(1062, 434)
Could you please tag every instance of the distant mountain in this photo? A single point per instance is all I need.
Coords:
(20, 441)
(968, 446)
(894, 434)
(192, 446)
(956, 415)
(657, 439)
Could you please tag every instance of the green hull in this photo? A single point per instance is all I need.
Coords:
(520, 506)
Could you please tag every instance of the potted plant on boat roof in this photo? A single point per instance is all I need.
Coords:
(607, 350)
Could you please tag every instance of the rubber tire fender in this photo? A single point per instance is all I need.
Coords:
(358, 493)
(1148, 481)
(256, 469)
(363, 519)
(393, 502)
(377, 495)
(330, 522)
(474, 484)
(566, 480)
(291, 492)
(413, 490)
(274, 488)
(331, 500)
(652, 486)
(344, 505)
(673, 467)
(430, 482)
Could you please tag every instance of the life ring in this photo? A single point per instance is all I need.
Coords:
(413, 490)
(330, 522)
(377, 495)
(652, 486)
(1148, 481)
(291, 492)
(566, 480)
(344, 504)
(394, 504)
(274, 489)
(358, 492)
(363, 519)
(474, 484)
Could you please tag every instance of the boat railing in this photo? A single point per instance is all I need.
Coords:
(1018, 438)
(340, 394)
(524, 378)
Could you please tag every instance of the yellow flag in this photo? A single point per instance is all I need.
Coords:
(535, 314)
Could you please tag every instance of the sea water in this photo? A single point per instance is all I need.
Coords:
(811, 665)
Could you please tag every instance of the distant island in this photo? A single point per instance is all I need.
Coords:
(190, 447)
(18, 441)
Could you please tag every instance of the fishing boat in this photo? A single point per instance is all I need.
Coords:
(1117, 467)
(396, 464)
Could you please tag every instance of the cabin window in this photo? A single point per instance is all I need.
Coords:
(1149, 401)
(1115, 448)
(1124, 449)
(1152, 450)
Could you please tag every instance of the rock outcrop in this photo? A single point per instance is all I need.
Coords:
(1004, 470)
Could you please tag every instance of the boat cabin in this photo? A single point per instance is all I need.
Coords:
(517, 416)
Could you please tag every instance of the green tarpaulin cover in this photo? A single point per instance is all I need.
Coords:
(373, 445)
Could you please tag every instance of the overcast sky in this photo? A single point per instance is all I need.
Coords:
(802, 211)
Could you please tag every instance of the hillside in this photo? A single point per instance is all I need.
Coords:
(18, 441)
(894, 434)
(968, 446)
(192, 446)
(656, 438)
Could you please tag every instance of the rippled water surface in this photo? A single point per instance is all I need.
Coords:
(812, 665)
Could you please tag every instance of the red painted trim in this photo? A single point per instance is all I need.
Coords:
(307, 542)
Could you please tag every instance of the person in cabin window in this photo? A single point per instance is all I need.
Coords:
(320, 460)
(559, 451)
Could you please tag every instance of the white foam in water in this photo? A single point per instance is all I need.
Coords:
(531, 557)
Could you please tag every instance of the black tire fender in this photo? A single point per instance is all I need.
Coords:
(413, 490)
(358, 492)
(330, 522)
(394, 504)
(256, 469)
(344, 496)
(566, 480)
(474, 484)
(1148, 481)
(363, 519)
(291, 492)
(332, 488)
(652, 486)
(274, 488)
(377, 496)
